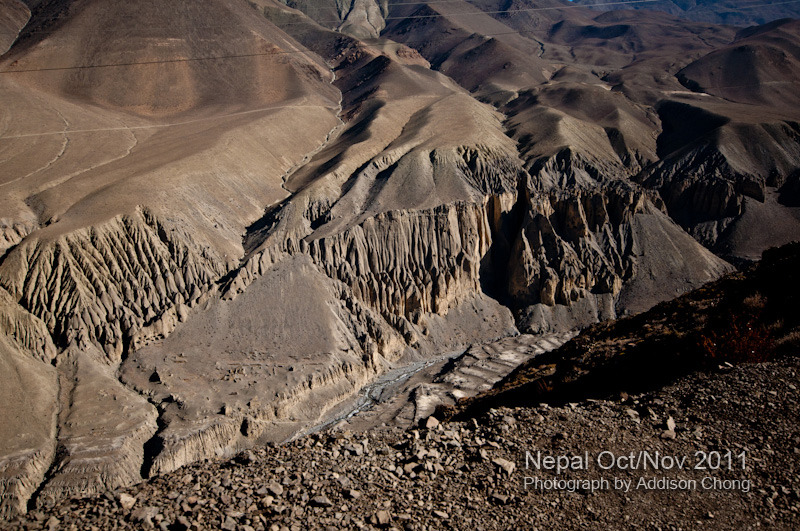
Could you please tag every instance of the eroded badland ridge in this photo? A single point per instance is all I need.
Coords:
(220, 221)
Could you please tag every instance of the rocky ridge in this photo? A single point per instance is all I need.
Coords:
(743, 317)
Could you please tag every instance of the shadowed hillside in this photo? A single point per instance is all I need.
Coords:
(745, 317)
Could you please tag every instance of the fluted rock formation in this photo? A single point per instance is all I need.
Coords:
(409, 263)
(213, 243)
(712, 166)
(29, 395)
(12, 233)
(26, 330)
(362, 18)
(359, 18)
(107, 282)
(587, 253)
(102, 429)
(572, 243)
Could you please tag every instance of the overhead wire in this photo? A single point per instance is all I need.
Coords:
(437, 15)
(574, 4)
(283, 52)
(129, 128)
(376, 41)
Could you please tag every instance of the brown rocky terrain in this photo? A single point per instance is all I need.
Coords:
(479, 471)
(219, 222)
(743, 317)
(14, 16)
(472, 474)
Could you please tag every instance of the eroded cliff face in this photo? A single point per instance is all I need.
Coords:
(572, 243)
(705, 184)
(586, 252)
(14, 232)
(103, 285)
(405, 264)
(28, 332)
(30, 401)
(168, 310)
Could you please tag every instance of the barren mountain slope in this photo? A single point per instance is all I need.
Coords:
(571, 242)
(730, 151)
(760, 67)
(126, 192)
(220, 220)
(616, 102)
(112, 255)
(13, 16)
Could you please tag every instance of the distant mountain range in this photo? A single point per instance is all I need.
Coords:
(733, 12)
